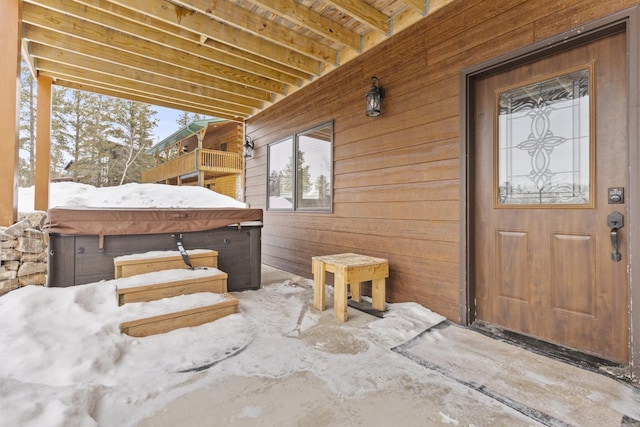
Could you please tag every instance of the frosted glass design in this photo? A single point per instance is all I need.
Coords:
(544, 144)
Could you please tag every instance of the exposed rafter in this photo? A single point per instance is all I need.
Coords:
(223, 58)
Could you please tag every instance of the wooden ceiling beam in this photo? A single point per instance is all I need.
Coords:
(167, 35)
(151, 101)
(133, 49)
(236, 57)
(312, 20)
(228, 50)
(156, 83)
(145, 22)
(201, 24)
(131, 80)
(72, 73)
(368, 15)
(419, 6)
(28, 59)
(87, 54)
(244, 20)
(101, 88)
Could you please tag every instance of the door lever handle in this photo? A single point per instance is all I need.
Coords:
(615, 220)
(615, 255)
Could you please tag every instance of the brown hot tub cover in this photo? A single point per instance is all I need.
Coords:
(118, 221)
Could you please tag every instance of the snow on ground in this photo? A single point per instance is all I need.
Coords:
(65, 363)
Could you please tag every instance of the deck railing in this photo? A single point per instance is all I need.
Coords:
(212, 162)
(219, 161)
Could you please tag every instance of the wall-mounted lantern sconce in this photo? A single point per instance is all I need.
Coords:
(374, 98)
(248, 148)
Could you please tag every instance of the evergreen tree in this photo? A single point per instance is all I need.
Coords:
(324, 191)
(99, 150)
(60, 142)
(77, 110)
(133, 125)
(185, 118)
(274, 183)
(27, 161)
(100, 139)
(304, 177)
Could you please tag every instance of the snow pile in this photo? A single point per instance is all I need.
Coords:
(65, 362)
(67, 194)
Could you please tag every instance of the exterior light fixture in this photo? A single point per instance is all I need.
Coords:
(247, 148)
(374, 98)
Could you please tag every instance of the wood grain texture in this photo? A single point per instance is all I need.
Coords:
(132, 266)
(396, 177)
(216, 284)
(181, 319)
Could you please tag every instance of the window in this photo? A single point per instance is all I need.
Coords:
(302, 182)
(545, 142)
(280, 175)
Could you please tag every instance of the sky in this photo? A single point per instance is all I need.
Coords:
(166, 122)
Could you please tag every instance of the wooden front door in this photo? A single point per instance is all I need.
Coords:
(549, 161)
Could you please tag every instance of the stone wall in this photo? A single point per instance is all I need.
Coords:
(23, 252)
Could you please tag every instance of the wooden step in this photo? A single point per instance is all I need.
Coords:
(223, 305)
(169, 283)
(131, 265)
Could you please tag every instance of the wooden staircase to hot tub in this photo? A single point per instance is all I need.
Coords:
(155, 276)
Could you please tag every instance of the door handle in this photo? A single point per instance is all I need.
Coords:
(615, 220)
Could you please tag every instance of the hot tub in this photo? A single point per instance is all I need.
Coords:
(84, 241)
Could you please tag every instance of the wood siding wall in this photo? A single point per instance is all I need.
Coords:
(226, 185)
(396, 177)
(230, 133)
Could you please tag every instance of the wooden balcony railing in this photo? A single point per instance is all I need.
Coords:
(211, 162)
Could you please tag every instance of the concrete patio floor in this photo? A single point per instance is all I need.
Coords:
(499, 386)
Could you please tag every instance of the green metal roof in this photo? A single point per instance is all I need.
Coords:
(190, 129)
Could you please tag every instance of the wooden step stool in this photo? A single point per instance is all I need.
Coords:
(158, 284)
(130, 265)
(349, 269)
(180, 319)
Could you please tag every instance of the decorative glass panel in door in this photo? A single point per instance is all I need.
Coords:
(545, 143)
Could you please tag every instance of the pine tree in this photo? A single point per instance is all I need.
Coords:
(185, 118)
(324, 191)
(100, 140)
(133, 125)
(28, 101)
(98, 147)
(76, 109)
(60, 143)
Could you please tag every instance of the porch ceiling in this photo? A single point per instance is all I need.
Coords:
(224, 58)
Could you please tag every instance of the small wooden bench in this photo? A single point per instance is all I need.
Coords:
(189, 317)
(349, 269)
(163, 284)
(130, 265)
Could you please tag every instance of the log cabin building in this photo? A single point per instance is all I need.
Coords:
(207, 153)
(500, 178)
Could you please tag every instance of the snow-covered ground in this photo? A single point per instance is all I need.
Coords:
(64, 362)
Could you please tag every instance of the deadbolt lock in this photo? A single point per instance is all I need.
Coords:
(616, 195)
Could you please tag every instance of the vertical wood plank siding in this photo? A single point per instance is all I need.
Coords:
(396, 177)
